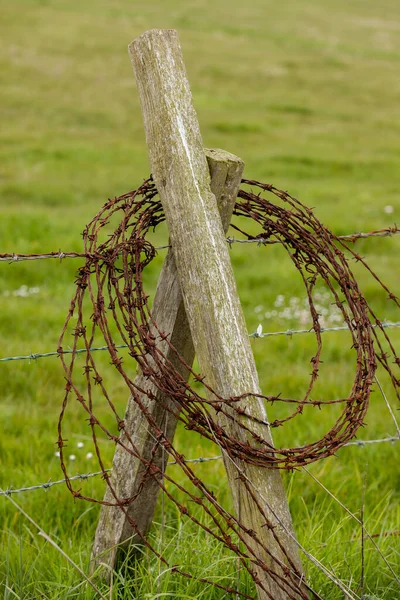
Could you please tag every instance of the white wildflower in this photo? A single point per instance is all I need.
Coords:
(22, 292)
(279, 301)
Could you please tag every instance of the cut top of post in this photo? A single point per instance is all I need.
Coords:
(164, 91)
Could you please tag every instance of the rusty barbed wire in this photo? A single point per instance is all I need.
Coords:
(110, 303)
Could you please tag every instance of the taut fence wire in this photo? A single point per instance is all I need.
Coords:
(15, 257)
(111, 304)
(287, 333)
(199, 460)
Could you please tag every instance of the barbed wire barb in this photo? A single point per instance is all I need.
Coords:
(288, 333)
(14, 257)
(83, 477)
(111, 304)
(199, 460)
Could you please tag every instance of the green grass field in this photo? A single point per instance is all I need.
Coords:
(307, 94)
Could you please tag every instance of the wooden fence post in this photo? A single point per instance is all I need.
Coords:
(205, 274)
(114, 529)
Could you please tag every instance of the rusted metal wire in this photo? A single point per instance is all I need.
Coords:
(111, 305)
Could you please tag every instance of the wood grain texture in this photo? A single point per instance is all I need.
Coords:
(114, 529)
(205, 273)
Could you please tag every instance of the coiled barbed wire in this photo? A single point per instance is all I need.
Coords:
(110, 285)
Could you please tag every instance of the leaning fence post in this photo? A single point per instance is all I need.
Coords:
(206, 278)
(114, 529)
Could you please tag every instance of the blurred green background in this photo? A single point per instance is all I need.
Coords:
(307, 94)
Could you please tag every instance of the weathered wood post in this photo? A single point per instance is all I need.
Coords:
(205, 275)
(114, 529)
